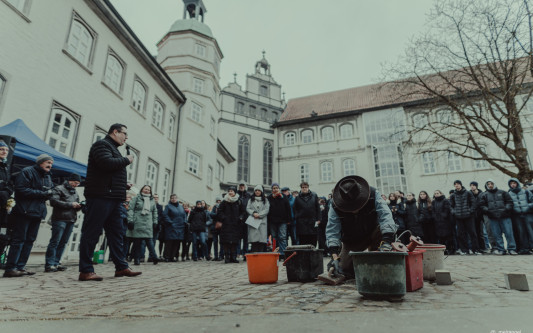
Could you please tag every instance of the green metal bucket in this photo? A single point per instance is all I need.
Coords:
(380, 275)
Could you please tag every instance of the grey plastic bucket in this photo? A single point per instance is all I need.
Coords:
(433, 259)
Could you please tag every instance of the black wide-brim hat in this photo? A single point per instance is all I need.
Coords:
(351, 193)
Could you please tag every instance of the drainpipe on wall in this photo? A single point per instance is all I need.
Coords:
(176, 151)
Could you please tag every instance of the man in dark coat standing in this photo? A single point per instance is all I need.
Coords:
(279, 216)
(463, 205)
(105, 190)
(307, 214)
(33, 186)
(6, 189)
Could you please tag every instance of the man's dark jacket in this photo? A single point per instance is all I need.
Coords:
(106, 171)
(62, 199)
(31, 192)
(280, 210)
(463, 204)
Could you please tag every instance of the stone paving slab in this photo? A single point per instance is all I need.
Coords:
(214, 289)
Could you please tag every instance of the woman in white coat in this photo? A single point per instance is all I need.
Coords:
(257, 209)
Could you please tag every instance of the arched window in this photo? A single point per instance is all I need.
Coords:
(264, 114)
(62, 131)
(263, 91)
(327, 133)
(307, 136)
(346, 131)
(113, 73)
(166, 183)
(158, 114)
(252, 111)
(290, 139)
(304, 173)
(348, 167)
(99, 134)
(326, 172)
(275, 116)
(131, 169)
(239, 108)
(243, 159)
(171, 126)
(139, 96)
(267, 162)
(80, 42)
(152, 169)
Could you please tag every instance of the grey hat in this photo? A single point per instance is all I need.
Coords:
(43, 158)
(258, 187)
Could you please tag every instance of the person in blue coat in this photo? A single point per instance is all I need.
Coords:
(174, 218)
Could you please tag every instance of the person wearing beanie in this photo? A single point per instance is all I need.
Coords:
(463, 206)
(522, 216)
(479, 221)
(33, 186)
(65, 202)
(198, 224)
(257, 209)
(279, 215)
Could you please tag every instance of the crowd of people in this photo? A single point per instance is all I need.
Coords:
(470, 221)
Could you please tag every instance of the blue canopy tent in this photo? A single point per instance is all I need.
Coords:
(27, 146)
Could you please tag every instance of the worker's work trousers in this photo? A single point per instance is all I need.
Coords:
(371, 243)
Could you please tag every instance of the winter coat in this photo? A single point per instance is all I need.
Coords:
(280, 210)
(306, 213)
(260, 207)
(143, 225)
(324, 210)
(106, 171)
(31, 186)
(522, 199)
(174, 218)
(398, 213)
(424, 212)
(478, 213)
(442, 216)
(159, 227)
(496, 204)
(412, 222)
(462, 203)
(6, 187)
(231, 215)
(198, 220)
(62, 199)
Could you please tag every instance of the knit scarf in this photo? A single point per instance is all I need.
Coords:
(146, 204)
(276, 195)
(229, 198)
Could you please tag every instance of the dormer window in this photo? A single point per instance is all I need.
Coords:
(263, 91)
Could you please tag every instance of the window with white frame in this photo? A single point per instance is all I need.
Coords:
(196, 112)
(171, 126)
(420, 120)
(444, 117)
(62, 129)
(152, 169)
(138, 97)
(166, 186)
(348, 167)
(346, 131)
(99, 134)
(198, 85)
(307, 136)
(193, 163)
(239, 108)
(158, 114)
(304, 172)
(219, 171)
(326, 171)
(263, 91)
(114, 72)
(267, 162)
(81, 41)
(212, 127)
(243, 158)
(454, 162)
(201, 50)
(428, 161)
(290, 139)
(210, 176)
(327, 133)
(480, 164)
(131, 169)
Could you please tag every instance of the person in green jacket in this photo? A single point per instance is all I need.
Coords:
(142, 217)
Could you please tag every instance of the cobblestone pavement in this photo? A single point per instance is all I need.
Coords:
(213, 289)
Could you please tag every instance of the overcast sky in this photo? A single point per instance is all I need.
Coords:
(313, 46)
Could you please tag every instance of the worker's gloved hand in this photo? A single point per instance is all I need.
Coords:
(131, 226)
(385, 247)
(335, 265)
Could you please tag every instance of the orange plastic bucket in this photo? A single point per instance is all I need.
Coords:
(262, 267)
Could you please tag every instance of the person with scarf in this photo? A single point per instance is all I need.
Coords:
(142, 218)
(307, 214)
(279, 216)
(230, 214)
(258, 208)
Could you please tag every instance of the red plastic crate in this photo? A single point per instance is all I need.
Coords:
(414, 270)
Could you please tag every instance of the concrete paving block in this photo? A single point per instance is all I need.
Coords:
(516, 281)
(443, 277)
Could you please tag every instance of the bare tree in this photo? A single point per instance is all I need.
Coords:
(471, 72)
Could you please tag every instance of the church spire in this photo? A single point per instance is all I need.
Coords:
(195, 9)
